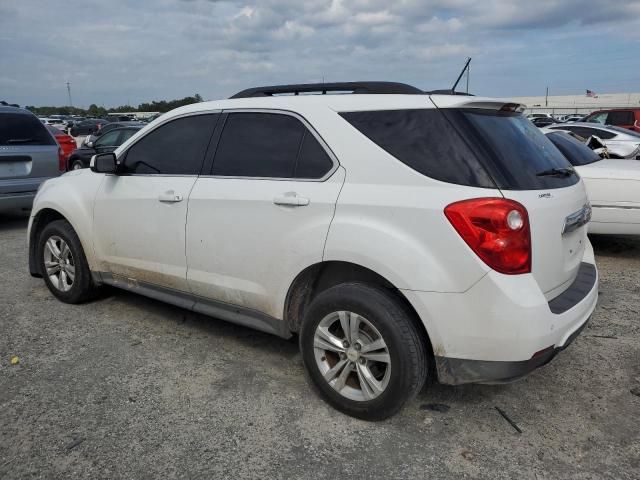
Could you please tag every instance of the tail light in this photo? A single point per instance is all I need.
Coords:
(497, 230)
(62, 160)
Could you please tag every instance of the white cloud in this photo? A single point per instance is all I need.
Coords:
(151, 49)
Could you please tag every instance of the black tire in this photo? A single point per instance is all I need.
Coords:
(396, 324)
(83, 287)
(74, 162)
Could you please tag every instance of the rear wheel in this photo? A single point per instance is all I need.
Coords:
(63, 264)
(362, 350)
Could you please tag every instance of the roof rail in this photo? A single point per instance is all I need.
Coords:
(323, 88)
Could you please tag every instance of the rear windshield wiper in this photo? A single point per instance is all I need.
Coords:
(556, 172)
(20, 140)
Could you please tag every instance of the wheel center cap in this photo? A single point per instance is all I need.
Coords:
(352, 354)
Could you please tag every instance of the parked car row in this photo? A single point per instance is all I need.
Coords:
(628, 118)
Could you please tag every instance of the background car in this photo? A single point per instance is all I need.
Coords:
(543, 121)
(628, 118)
(87, 127)
(81, 158)
(66, 141)
(620, 142)
(90, 139)
(611, 186)
(29, 155)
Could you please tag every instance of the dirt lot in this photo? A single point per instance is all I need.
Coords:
(127, 387)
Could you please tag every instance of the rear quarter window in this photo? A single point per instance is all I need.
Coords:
(23, 129)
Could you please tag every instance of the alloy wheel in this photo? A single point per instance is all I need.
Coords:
(59, 263)
(352, 356)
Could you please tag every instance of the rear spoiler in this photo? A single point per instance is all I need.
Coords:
(451, 101)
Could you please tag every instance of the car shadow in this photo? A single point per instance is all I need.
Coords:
(616, 246)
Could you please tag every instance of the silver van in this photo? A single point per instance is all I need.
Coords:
(28, 156)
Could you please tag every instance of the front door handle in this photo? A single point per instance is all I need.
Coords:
(169, 197)
(291, 199)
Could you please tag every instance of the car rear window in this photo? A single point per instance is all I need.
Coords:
(23, 129)
(474, 147)
(574, 150)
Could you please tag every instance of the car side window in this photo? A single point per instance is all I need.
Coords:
(598, 117)
(620, 117)
(176, 148)
(126, 135)
(586, 132)
(269, 145)
(109, 139)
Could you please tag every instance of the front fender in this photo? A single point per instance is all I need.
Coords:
(72, 196)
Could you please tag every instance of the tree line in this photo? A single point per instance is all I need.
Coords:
(96, 111)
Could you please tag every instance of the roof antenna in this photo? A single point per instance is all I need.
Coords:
(466, 66)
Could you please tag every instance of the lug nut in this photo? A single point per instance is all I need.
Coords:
(363, 360)
(357, 346)
(345, 344)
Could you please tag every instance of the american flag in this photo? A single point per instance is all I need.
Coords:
(592, 94)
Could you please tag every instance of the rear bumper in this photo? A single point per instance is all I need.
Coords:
(456, 371)
(11, 201)
(503, 327)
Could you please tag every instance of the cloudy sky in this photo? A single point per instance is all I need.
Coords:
(118, 51)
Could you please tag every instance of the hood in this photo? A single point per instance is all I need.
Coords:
(611, 169)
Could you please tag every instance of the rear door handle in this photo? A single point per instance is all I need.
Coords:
(291, 199)
(169, 197)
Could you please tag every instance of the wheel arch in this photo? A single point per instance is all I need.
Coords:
(318, 277)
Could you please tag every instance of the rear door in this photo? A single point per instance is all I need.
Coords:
(140, 214)
(262, 214)
(28, 153)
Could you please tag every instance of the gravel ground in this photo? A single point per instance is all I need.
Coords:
(127, 387)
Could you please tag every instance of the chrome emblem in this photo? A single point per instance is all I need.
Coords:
(577, 219)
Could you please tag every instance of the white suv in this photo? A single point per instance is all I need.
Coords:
(404, 236)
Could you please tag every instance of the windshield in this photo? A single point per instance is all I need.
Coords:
(576, 152)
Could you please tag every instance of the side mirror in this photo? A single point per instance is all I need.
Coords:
(104, 163)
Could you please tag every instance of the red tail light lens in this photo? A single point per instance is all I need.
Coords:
(497, 230)
(62, 160)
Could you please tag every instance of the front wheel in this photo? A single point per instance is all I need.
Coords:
(363, 351)
(63, 263)
(76, 164)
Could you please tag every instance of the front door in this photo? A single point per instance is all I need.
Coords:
(140, 213)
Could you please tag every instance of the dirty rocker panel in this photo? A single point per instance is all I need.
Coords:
(231, 313)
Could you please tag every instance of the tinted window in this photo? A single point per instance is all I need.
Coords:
(126, 134)
(258, 145)
(23, 129)
(313, 161)
(620, 117)
(425, 141)
(586, 132)
(512, 149)
(175, 148)
(574, 150)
